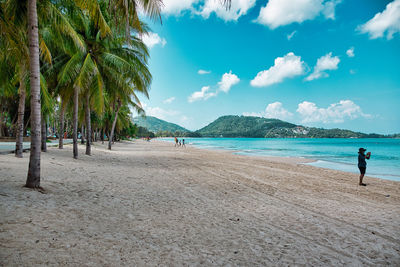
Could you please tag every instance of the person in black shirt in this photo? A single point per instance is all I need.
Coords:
(362, 164)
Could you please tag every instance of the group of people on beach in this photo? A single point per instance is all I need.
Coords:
(179, 143)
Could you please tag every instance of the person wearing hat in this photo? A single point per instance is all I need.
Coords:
(362, 164)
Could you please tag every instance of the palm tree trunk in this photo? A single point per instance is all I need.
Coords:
(33, 178)
(127, 26)
(61, 130)
(88, 126)
(26, 124)
(102, 135)
(82, 135)
(44, 135)
(75, 123)
(110, 138)
(1, 123)
(20, 123)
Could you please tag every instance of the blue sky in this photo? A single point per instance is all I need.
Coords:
(330, 64)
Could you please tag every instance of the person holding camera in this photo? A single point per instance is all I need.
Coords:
(362, 164)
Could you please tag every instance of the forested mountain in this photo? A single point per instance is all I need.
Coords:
(247, 126)
(241, 126)
(160, 127)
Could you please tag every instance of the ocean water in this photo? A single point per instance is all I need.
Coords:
(335, 153)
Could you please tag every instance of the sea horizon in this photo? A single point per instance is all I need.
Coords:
(331, 153)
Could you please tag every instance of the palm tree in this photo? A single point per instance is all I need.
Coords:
(111, 63)
(61, 127)
(33, 178)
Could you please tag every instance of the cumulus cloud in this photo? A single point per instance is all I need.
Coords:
(290, 36)
(284, 67)
(169, 100)
(202, 72)
(335, 113)
(159, 112)
(324, 63)
(228, 80)
(383, 23)
(203, 94)
(350, 52)
(273, 110)
(238, 9)
(151, 39)
(176, 7)
(205, 8)
(283, 12)
(253, 114)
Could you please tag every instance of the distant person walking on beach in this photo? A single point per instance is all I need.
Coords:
(176, 141)
(183, 142)
(362, 164)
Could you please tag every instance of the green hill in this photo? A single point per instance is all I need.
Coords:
(157, 126)
(246, 126)
(241, 126)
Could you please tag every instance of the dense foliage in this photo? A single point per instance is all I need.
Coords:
(247, 126)
(244, 126)
(241, 126)
(155, 125)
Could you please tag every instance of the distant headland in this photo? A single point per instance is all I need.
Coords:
(246, 126)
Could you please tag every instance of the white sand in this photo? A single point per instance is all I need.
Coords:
(149, 203)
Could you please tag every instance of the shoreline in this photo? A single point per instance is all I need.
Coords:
(149, 203)
(299, 160)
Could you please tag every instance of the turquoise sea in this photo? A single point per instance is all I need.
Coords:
(335, 153)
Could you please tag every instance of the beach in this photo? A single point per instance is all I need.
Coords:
(150, 203)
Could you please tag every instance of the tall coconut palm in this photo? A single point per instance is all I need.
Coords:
(18, 14)
(61, 126)
(33, 178)
(13, 26)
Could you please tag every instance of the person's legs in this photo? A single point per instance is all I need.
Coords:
(362, 173)
(361, 179)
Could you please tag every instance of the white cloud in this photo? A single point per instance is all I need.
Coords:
(204, 8)
(326, 62)
(227, 81)
(290, 36)
(284, 67)
(169, 100)
(204, 94)
(273, 110)
(159, 112)
(283, 12)
(253, 114)
(335, 113)
(352, 72)
(384, 23)
(350, 52)
(202, 72)
(176, 7)
(151, 39)
(238, 9)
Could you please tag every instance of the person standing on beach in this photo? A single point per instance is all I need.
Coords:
(176, 141)
(362, 164)
(183, 143)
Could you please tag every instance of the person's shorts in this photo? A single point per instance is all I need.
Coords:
(362, 170)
